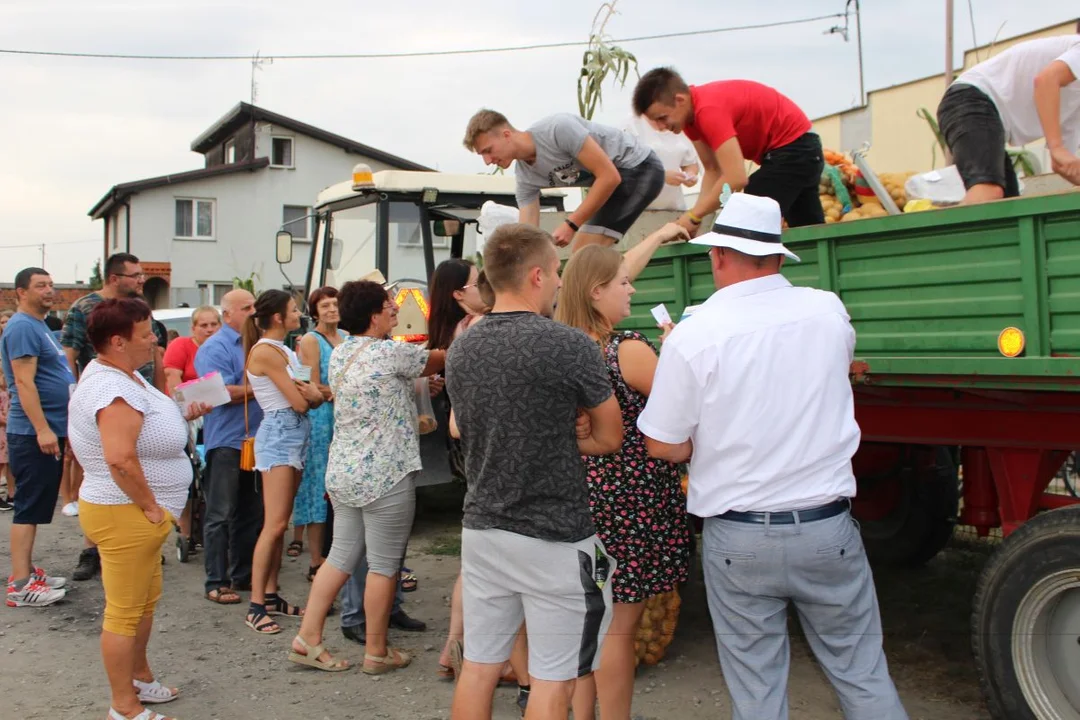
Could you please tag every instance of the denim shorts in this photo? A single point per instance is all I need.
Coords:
(37, 479)
(640, 185)
(282, 439)
(972, 128)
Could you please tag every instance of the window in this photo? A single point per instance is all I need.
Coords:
(281, 151)
(114, 221)
(194, 219)
(211, 293)
(230, 152)
(293, 222)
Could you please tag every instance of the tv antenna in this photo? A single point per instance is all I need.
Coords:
(256, 64)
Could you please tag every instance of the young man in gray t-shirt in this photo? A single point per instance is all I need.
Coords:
(518, 382)
(565, 150)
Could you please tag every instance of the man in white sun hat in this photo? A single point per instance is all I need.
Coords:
(753, 391)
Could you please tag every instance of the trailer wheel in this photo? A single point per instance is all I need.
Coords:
(1025, 625)
(922, 495)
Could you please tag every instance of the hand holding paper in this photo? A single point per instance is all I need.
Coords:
(208, 390)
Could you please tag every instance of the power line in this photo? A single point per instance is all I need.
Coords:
(48, 244)
(427, 53)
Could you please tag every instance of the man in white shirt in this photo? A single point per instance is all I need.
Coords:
(1025, 93)
(678, 156)
(753, 390)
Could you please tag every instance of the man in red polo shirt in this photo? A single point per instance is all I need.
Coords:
(730, 122)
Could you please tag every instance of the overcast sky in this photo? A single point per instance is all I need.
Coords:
(72, 128)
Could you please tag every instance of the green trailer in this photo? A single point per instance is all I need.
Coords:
(938, 299)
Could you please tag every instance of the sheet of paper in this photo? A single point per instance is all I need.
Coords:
(660, 314)
(209, 389)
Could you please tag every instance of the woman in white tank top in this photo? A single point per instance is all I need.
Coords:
(280, 444)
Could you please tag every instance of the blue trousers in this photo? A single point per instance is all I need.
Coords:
(753, 572)
(352, 596)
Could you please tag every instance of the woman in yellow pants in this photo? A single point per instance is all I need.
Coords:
(130, 440)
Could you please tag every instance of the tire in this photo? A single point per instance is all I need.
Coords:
(922, 521)
(1025, 623)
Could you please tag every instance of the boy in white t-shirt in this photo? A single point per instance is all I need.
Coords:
(678, 155)
(1027, 92)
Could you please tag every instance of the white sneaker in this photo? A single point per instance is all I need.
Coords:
(54, 582)
(33, 594)
(71, 509)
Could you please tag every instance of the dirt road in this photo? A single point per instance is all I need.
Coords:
(50, 666)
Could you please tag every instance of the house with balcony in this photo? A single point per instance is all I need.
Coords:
(196, 230)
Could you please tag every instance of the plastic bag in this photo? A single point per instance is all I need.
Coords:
(941, 187)
(425, 413)
(836, 180)
(492, 215)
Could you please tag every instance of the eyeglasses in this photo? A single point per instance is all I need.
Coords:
(136, 276)
(466, 287)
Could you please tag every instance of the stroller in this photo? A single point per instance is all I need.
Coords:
(186, 547)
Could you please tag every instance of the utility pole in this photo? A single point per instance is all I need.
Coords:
(948, 58)
(43, 256)
(948, 43)
(858, 32)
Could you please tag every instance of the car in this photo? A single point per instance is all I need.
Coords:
(178, 319)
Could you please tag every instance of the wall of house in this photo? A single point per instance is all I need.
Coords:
(245, 147)
(248, 213)
(901, 140)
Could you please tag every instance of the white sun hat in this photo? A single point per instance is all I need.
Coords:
(750, 225)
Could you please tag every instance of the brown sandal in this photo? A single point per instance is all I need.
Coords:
(394, 660)
(218, 596)
(311, 658)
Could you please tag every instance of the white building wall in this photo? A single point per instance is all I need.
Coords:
(248, 212)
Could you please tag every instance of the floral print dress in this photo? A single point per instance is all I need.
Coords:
(637, 501)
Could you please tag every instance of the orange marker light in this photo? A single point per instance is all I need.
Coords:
(1011, 342)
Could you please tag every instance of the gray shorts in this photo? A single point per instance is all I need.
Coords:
(379, 531)
(561, 591)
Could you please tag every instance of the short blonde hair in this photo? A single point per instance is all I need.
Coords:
(591, 267)
(204, 309)
(482, 122)
(511, 251)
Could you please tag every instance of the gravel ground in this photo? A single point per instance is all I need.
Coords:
(50, 666)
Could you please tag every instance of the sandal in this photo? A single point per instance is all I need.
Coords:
(409, 582)
(295, 548)
(394, 660)
(146, 714)
(312, 570)
(154, 692)
(260, 621)
(457, 657)
(311, 658)
(219, 596)
(445, 672)
(276, 605)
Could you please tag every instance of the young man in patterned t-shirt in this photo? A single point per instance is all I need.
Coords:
(529, 551)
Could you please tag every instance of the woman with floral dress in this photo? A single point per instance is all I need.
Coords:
(636, 501)
(309, 508)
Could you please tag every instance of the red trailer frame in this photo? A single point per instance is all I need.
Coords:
(1013, 442)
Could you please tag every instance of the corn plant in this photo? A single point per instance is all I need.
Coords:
(246, 283)
(600, 61)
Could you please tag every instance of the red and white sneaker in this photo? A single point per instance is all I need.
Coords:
(54, 582)
(33, 594)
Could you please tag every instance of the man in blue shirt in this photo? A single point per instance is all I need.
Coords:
(40, 383)
(234, 512)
